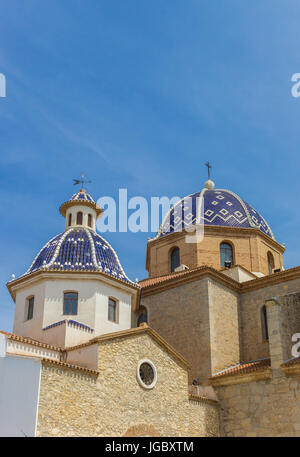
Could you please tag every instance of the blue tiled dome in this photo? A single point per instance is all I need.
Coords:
(221, 208)
(79, 249)
(82, 195)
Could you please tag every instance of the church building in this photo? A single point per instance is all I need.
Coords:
(202, 347)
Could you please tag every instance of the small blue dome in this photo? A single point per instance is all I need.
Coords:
(79, 249)
(221, 208)
(82, 195)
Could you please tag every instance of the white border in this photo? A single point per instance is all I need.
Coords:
(146, 386)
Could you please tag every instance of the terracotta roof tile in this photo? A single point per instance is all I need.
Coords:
(291, 362)
(151, 281)
(22, 339)
(68, 365)
(244, 368)
(147, 282)
(202, 399)
(132, 332)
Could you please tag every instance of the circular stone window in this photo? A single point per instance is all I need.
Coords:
(146, 374)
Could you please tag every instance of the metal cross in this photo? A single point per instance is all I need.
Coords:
(208, 169)
(82, 181)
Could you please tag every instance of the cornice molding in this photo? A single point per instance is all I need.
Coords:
(203, 400)
(201, 272)
(290, 370)
(39, 275)
(145, 329)
(190, 276)
(270, 280)
(24, 340)
(219, 229)
(229, 380)
(68, 366)
(64, 206)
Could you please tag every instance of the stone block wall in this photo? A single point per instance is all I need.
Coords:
(181, 316)
(114, 403)
(253, 346)
(224, 327)
(261, 408)
(200, 320)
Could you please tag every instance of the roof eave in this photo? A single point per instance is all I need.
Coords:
(36, 275)
(63, 208)
(216, 228)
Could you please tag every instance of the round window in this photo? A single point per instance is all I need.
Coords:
(146, 374)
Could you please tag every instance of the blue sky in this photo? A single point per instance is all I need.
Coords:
(139, 95)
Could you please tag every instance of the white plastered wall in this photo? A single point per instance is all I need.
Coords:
(19, 393)
(86, 210)
(93, 297)
(22, 326)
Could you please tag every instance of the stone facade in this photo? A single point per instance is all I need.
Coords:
(215, 325)
(253, 346)
(261, 408)
(181, 316)
(267, 402)
(113, 403)
(200, 320)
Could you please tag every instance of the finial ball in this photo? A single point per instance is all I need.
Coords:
(209, 184)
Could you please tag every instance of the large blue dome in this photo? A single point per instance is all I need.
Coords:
(79, 249)
(221, 208)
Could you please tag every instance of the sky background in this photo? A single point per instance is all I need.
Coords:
(139, 95)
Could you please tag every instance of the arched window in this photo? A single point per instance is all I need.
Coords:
(270, 263)
(264, 323)
(70, 303)
(70, 220)
(226, 255)
(175, 259)
(90, 220)
(30, 306)
(79, 218)
(143, 317)
(112, 310)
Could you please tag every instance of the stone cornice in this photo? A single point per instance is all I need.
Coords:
(292, 370)
(203, 399)
(291, 367)
(133, 332)
(57, 274)
(189, 276)
(24, 340)
(64, 365)
(214, 230)
(175, 280)
(270, 280)
(241, 378)
(63, 208)
(219, 229)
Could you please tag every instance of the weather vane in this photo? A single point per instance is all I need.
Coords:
(208, 165)
(82, 181)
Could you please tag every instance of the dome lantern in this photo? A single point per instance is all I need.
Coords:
(80, 211)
